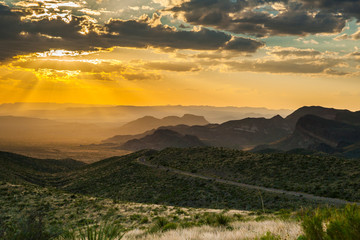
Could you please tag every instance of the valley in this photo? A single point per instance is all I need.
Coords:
(177, 180)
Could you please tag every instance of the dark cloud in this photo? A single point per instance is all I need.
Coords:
(23, 37)
(243, 17)
(350, 8)
(243, 44)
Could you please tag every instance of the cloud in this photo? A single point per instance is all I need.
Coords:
(251, 17)
(104, 71)
(142, 34)
(350, 8)
(354, 36)
(173, 66)
(82, 34)
(141, 76)
(294, 52)
(296, 66)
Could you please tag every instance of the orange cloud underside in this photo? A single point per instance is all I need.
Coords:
(125, 77)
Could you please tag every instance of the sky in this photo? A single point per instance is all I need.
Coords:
(257, 53)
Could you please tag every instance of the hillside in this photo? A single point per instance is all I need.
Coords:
(124, 179)
(17, 168)
(320, 175)
(160, 139)
(148, 122)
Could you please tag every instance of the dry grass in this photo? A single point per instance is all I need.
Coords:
(242, 230)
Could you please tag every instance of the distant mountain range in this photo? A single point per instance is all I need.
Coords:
(314, 129)
(162, 138)
(148, 122)
(26, 129)
(118, 115)
(233, 134)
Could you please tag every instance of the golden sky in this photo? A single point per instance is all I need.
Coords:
(278, 54)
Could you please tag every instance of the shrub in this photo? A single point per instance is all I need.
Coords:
(95, 232)
(158, 225)
(30, 228)
(313, 226)
(332, 224)
(222, 220)
(170, 226)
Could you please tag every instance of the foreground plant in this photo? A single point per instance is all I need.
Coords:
(95, 232)
(332, 224)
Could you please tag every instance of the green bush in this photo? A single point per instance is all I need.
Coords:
(31, 227)
(158, 225)
(332, 224)
(170, 226)
(222, 220)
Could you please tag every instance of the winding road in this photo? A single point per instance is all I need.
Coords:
(333, 201)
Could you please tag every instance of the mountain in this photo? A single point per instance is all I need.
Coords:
(160, 139)
(319, 134)
(326, 113)
(234, 134)
(148, 122)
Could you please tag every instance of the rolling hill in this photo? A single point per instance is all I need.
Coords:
(320, 175)
(125, 179)
(17, 168)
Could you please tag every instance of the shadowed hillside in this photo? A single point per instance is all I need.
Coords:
(21, 169)
(321, 135)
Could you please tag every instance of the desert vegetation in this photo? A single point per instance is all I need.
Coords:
(30, 212)
(322, 175)
(119, 198)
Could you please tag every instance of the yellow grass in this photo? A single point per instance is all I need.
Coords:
(242, 230)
